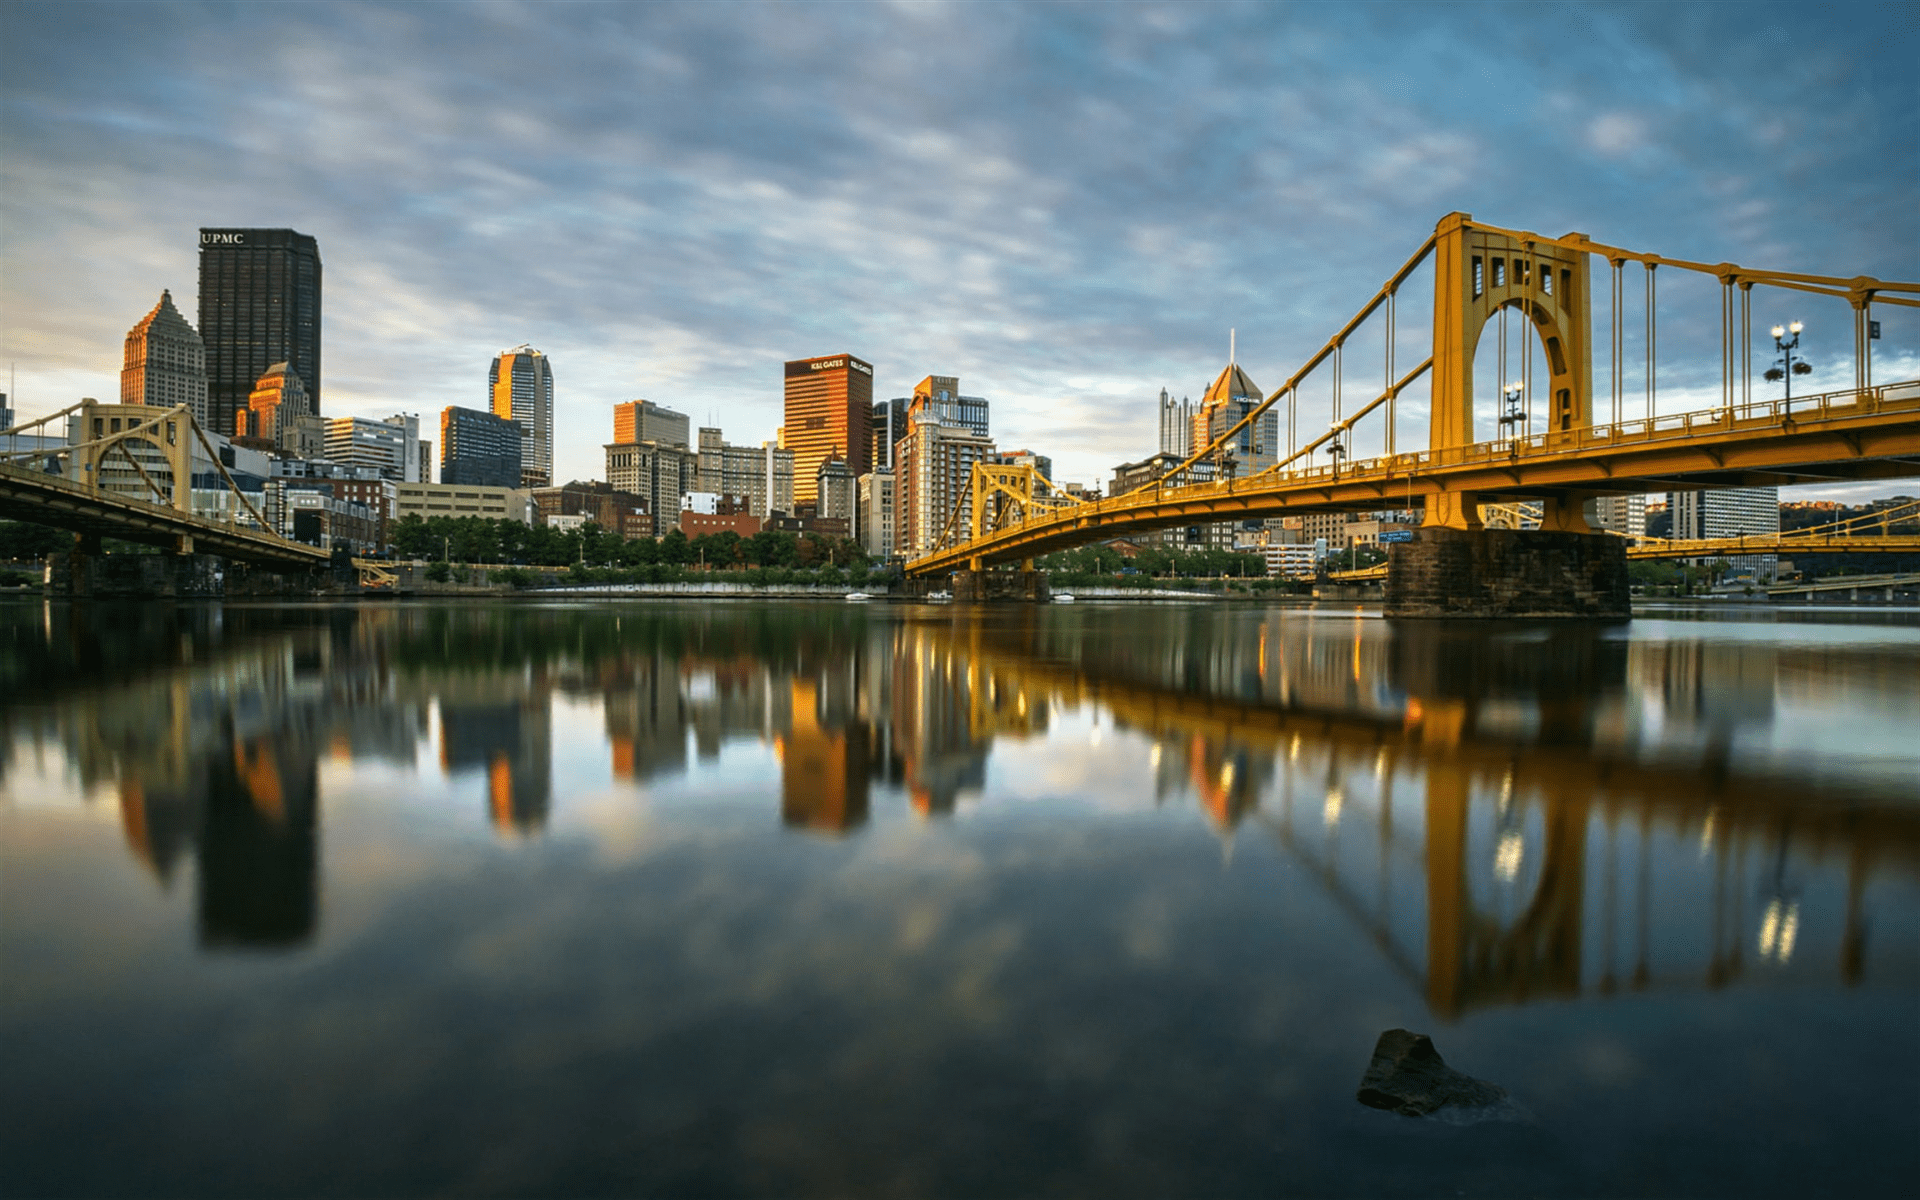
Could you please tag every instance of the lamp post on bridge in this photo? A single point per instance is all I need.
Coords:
(1787, 366)
(1515, 416)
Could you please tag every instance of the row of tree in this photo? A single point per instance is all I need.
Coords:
(505, 542)
(1156, 561)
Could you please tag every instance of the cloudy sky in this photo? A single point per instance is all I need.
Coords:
(1067, 206)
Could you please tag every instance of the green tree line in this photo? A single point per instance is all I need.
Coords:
(479, 540)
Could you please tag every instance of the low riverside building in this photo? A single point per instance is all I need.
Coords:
(429, 500)
(613, 510)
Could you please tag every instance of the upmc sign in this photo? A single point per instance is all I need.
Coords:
(212, 238)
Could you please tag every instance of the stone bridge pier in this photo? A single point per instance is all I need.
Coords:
(1446, 572)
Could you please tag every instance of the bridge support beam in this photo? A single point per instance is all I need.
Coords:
(1446, 572)
(1028, 586)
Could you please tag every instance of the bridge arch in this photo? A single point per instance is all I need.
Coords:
(1477, 274)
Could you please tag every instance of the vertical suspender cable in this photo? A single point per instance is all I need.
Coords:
(1617, 395)
(1746, 342)
(1727, 344)
(1651, 267)
(1389, 387)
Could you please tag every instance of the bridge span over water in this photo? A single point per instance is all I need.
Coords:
(1560, 455)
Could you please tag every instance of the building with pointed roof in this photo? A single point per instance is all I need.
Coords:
(165, 362)
(1230, 397)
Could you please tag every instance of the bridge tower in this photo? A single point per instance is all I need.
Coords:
(1478, 273)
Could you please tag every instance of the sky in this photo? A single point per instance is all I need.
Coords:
(1067, 206)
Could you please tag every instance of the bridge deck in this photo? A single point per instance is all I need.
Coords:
(1868, 434)
(27, 495)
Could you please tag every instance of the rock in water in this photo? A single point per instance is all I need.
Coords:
(1408, 1076)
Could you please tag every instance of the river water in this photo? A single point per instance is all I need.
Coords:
(835, 899)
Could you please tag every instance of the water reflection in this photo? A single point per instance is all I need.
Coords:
(1503, 813)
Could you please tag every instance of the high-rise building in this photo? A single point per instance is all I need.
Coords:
(645, 421)
(391, 447)
(889, 430)
(1176, 425)
(165, 363)
(829, 412)
(835, 491)
(939, 396)
(480, 449)
(659, 474)
(763, 474)
(1725, 512)
(1728, 512)
(1230, 397)
(1622, 514)
(259, 305)
(1227, 401)
(277, 398)
(936, 473)
(875, 524)
(520, 389)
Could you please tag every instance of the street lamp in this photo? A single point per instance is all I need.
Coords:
(1514, 417)
(1787, 366)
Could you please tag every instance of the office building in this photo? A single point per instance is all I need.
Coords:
(936, 473)
(1725, 512)
(835, 491)
(1728, 512)
(277, 398)
(165, 363)
(763, 473)
(429, 500)
(829, 412)
(520, 389)
(1176, 425)
(391, 447)
(1230, 397)
(645, 421)
(480, 449)
(259, 305)
(939, 397)
(1621, 514)
(875, 522)
(657, 473)
(889, 430)
(615, 511)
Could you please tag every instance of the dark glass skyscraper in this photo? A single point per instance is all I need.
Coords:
(259, 305)
(480, 449)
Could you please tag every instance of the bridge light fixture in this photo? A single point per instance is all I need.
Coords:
(1515, 416)
(1788, 364)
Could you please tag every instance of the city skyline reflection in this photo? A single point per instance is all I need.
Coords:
(1490, 809)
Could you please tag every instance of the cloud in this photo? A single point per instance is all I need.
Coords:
(671, 200)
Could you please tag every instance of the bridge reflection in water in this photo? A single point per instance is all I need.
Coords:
(1505, 815)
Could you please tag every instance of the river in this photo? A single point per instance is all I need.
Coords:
(795, 899)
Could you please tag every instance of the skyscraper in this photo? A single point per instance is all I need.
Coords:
(645, 421)
(259, 305)
(277, 399)
(520, 384)
(829, 412)
(165, 362)
(480, 449)
(391, 447)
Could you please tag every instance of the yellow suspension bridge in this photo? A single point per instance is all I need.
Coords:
(1012, 514)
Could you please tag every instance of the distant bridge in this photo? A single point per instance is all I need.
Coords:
(149, 453)
(1865, 432)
